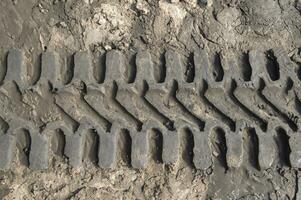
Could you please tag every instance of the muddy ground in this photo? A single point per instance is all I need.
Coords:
(222, 26)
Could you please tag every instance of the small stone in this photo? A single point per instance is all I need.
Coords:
(209, 171)
(215, 153)
(107, 47)
(44, 10)
(191, 3)
(63, 24)
(142, 6)
(88, 1)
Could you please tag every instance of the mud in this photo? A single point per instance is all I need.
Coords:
(223, 27)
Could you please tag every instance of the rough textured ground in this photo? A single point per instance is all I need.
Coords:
(222, 26)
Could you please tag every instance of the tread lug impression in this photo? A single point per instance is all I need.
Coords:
(208, 96)
(7, 144)
(16, 68)
(50, 69)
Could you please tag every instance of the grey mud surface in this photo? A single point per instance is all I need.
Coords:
(222, 26)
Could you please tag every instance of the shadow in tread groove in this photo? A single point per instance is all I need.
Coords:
(3, 69)
(272, 67)
(70, 65)
(58, 142)
(219, 147)
(283, 147)
(187, 145)
(100, 71)
(124, 148)
(246, 68)
(132, 70)
(218, 72)
(160, 69)
(3, 125)
(251, 147)
(23, 144)
(156, 145)
(190, 69)
(91, 146)
(36, 69)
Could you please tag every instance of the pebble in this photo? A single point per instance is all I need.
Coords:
(63, 24)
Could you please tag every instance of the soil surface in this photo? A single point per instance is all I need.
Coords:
(222, 26)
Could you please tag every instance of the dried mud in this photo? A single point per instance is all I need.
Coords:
(222, 26)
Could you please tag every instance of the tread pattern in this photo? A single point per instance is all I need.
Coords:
(215, 99)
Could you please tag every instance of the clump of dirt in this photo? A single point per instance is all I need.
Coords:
(90, 182)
